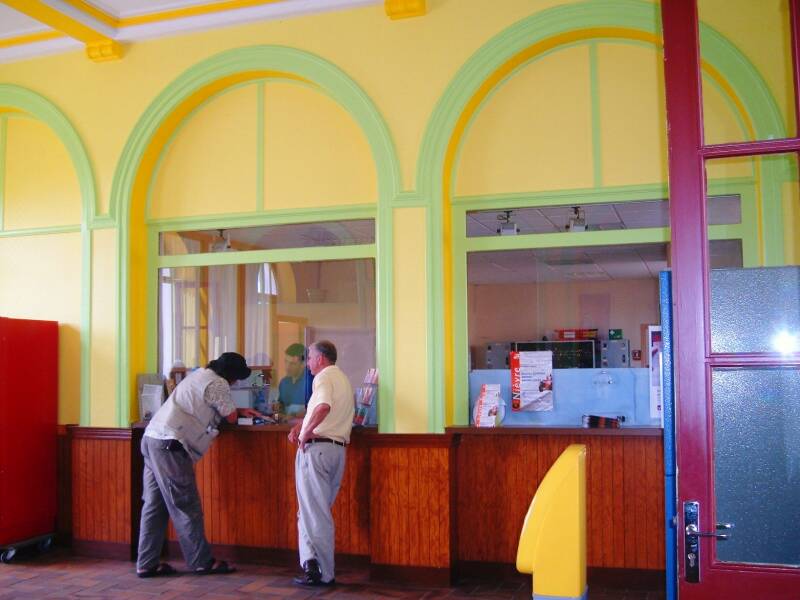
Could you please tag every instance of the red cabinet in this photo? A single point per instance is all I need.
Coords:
(28, 429)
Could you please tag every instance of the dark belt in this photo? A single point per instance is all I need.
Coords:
(325, 441)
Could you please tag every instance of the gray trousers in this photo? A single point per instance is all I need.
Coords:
(170, 491)
(318, 474)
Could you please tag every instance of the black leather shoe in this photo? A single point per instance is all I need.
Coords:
(306, 580)
(311, 569)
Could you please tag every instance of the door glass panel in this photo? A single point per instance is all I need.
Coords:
(757, 463)
(740, 104)
(754, 279)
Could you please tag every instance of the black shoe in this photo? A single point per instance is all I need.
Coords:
(306, 580)
(312, 570)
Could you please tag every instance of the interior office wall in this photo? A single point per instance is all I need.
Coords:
(403, 67)
(528, 311)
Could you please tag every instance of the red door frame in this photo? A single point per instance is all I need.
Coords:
(693, 358)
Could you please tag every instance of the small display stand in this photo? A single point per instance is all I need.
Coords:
(366, 395)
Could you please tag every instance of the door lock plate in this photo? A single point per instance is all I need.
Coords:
(691, 541)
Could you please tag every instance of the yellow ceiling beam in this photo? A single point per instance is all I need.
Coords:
(403, 9)
(99, 46)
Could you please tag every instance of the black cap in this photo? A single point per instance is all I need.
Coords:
(231, 366)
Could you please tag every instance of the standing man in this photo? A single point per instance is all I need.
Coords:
(319, 465)
(177, 437)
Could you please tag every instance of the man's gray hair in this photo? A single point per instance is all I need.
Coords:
(326, 349)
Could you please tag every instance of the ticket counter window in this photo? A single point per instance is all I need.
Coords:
(270, 313)
(589, 312)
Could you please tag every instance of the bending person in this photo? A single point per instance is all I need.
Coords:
(178, 435)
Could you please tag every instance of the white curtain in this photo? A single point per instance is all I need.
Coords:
(222, 309)
(259, 297)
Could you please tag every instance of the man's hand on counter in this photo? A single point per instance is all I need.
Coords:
(249, 412)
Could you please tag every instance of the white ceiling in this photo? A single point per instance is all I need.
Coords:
(601, 263)
(722, 210)
(13, 24)
(301, 235)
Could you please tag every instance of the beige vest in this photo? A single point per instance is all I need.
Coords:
(186, 416)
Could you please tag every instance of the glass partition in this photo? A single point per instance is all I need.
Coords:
(270, 312)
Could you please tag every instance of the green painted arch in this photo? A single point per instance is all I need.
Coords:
(40, 108)
(635, 15)
(332, 81)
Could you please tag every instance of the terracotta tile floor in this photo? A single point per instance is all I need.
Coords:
(62, 575)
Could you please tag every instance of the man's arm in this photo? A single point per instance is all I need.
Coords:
(319, 414)
(242, 412)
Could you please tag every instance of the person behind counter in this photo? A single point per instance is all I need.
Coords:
(294, 390)
(178, 435)
(319, 463)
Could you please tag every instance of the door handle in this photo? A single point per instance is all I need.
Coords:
(691, 529)
(691, 539)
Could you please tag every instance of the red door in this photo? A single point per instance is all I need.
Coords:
(737, 329)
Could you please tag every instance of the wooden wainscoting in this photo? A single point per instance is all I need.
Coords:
(103, 463)
(246, 483)
(63, 487)
(498, 476)
(410, 506)
(412, 531)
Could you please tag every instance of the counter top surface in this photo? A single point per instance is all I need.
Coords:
(622, 431)
(373, 431)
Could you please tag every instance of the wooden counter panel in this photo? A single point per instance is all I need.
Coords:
(497, 477)
(246, 485)
(410, 520)
(101, 488)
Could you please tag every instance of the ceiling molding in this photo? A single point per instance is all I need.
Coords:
(103, 33)
(66, 19)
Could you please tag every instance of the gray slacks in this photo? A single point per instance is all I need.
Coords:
(318, 474)
(170, 491)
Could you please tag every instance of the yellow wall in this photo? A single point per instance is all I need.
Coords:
(40, 278)
(410, 322)
(41, 188)
(210, 167)
(761, 32)
(633, 128)
(104, 328)
(533, 135)
(315, 155)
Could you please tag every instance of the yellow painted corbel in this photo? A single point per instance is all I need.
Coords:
(65, 18)
(403, 9)
(104, 50)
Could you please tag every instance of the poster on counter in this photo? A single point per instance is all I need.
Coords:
(531, 381)
(655, 350)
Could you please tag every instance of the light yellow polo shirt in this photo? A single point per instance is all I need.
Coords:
(332, 387)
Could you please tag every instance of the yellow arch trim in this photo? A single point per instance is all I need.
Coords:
(138, 229)
(468, 113)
